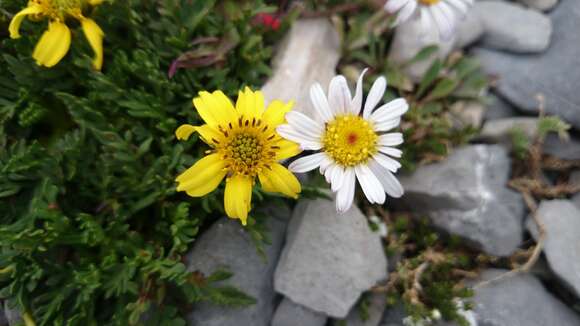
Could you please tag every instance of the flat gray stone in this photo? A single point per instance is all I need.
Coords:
(561, 219)
(520, 300)
(561, 148)
(226, 245)
(542, 5)
(309, 53)
(466, 195)
(289, 313)
(500, 130)
(329, 260)
(513, 27)
(523, 77)
(498, 108)
(377, 303)
(410, 38)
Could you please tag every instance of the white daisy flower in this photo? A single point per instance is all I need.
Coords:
(348, 145)
(441, 14)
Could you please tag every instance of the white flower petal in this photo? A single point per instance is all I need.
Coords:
(370, 185)
(459, 5)
(328, 172)
(393, 109)
(300, 121)
(345, 195)
(306, 142)
(375, 96)
(356, 103)
(393, 6)
(444, 23)
(394, 152)
(325, 163)
(391, 185)
(387, 125)
(336, 178)
(405, 13)
(387, 162)
(320, 102)
(306, 163)
(391, 139)
(339, 97)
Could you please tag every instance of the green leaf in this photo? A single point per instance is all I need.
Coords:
(442, 89)
(429, 77)
(423, 55)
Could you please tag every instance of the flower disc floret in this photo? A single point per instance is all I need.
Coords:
(350, 140)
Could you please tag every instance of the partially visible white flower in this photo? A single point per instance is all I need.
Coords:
(382, 229)
(410, 321)
(441, 14)
(436, 314)
(469, 315)
(350, 146)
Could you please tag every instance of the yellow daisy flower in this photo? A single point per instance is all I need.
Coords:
(245, 145)
(55, 42)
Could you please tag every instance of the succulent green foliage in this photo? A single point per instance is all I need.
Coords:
(92, 231)
(440, 286)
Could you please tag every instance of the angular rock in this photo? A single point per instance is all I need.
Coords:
(469, 31)
(227, 246)
(376, 308)
(498, 108)
(500, 130)
(466, 195)
(329, 259)
(512, 27)
(542, 5)
(410, 38)
(523, 77)
(309, 53)
(561, 220)
(563, 149)
(289, 313)
(520, 300)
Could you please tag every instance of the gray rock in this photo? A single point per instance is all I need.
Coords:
(562, 149)
(500, 130)
(410, 38)
(329, 259)
(309, 53)
(227, 246)
(512, 27)
(376, 308)
(575, 180)
(561, 220)
(394, 316)
(469, 31)
(520, 300)
(542, 5)
(11, 316)
(467, 195)
(523, 77)
(497, 108)
(467, 114)
(289, 313)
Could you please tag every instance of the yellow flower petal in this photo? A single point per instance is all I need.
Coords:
(203, 177)
(184, 131)
(210, 135)
(250, 104)
(238, 197)
(281, 180)
(287, 149)
(276, 112)
(95, 2)
(53, 45)
(94, 35)
(215, 108)
(14, 27)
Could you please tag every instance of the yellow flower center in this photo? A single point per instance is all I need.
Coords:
(429, 2)
(58, 9)
(248, 147)
(350, 140)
